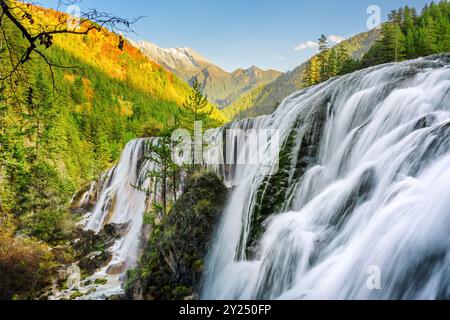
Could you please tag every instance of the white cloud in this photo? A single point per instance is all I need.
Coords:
(335, 39)
(306, 45)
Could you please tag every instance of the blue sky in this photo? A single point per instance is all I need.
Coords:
(242, 33)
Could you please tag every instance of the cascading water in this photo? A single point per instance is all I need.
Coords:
(122, 200)
(363, 185)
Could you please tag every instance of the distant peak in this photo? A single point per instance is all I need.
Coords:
(254, 68)
(172, 58)
(178, 51)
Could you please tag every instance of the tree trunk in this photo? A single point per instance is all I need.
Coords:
(174, 185)
(164, 191)
(38, 136)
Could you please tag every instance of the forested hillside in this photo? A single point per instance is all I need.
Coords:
(406, 35)
(87, 211)
(265, 99)
(64, 120)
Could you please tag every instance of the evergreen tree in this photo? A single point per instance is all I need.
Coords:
(197, 103)
(407, 35)
(410, 44)
(398, 43)
(333, 63)
(167, 171)
(311, 74)
(324, 58)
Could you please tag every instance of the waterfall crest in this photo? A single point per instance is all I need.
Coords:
(365, 179)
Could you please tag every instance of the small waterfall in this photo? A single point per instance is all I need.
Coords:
(122, 200)
(362, 189)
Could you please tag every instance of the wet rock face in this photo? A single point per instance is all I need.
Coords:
(172, 263)
(92, 248)
(85, 200)
(298, 153)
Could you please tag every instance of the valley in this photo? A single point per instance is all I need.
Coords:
(134, 172)
(222, 87)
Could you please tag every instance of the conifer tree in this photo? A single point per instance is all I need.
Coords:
(323, 58)
(167, 171)
(197, 103)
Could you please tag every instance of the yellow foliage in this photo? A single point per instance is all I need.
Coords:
(126, 107)
(100, 49)
(69, 77)
(80, 108)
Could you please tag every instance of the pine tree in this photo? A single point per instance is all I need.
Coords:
(323, 59)
(167, 171)
(408, 20)
(410, 44)
(311, 75)
(43, 109)
(430, 45)
(197, 103)
(398, 43)
(323, 43)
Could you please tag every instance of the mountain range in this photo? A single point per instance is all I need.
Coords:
(223, 88)
(266, 98)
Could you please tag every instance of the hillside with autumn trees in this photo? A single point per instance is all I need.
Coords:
(64, 119)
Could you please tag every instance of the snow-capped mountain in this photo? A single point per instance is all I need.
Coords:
(172, 58)
(222, 87)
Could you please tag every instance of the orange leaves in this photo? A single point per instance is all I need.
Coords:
(88, 91)
(114, 56)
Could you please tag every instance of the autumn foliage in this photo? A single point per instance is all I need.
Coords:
(111, 54)
(25, 266)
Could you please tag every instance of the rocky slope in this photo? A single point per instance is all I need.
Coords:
(173, 260)
(221, 86)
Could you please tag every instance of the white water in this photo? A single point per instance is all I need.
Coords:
(377, 194)
(122, 201)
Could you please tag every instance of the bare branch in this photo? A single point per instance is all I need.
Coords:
(38, 34)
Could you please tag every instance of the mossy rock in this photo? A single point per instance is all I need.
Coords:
(76, 295)
(92, 248)
(173, 259)
(100, 282)
(298, 153)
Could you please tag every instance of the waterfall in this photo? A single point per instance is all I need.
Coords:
(122, 200)
(361, 192)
